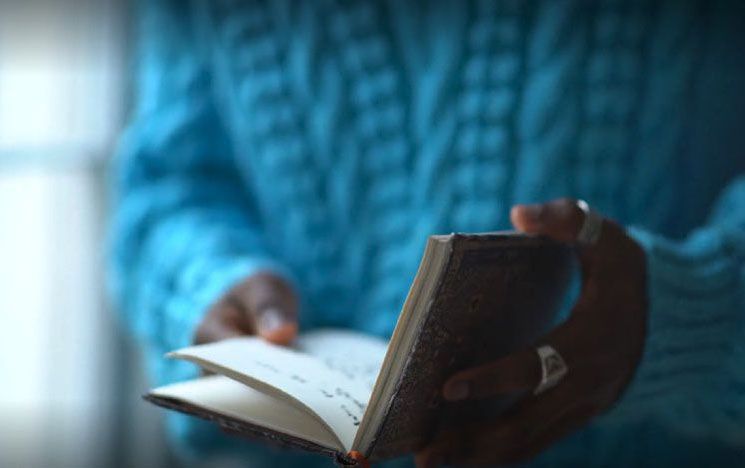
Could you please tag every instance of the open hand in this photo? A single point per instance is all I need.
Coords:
(263, 304)
(601, 343)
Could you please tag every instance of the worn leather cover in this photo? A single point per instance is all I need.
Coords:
(498, 293)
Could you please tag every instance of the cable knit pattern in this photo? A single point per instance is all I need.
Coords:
(325, 140)
(611, 82)
(485, 144)
(378, 115)
(673, 50)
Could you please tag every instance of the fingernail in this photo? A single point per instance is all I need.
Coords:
(271, 319)
(457, 390)
(532, 213)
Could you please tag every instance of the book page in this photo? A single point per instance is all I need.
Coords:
(355, 355)
(336, 394)
(227, 397)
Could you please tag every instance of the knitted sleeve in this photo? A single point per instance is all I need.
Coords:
(691, 379)
(183, 229)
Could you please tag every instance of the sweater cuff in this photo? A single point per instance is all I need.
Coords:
(692, 289)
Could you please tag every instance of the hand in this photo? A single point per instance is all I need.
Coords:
(601, 343)
(263, 305)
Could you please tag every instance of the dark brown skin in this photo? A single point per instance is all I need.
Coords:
(263, 304)
(601, 343)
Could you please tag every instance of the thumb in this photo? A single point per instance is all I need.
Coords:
(276, 325)
(272, 305)
(559, 219)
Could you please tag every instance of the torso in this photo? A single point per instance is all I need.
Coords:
(361, 128)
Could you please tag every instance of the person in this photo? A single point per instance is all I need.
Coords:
(287, 160)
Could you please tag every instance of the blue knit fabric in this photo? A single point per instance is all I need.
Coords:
(325, 140)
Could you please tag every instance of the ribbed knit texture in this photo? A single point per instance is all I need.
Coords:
(326, 140)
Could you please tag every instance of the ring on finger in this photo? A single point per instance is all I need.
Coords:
(553, 368)
(592, 225)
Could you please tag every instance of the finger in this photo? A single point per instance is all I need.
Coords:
(559, 219)
(277, 325)
(270, 306)
(517, 433)
(520, 371)
(447, 448)
(225, 320)
(517, 372)
(427, 458)
(562, 220)
(553, 431)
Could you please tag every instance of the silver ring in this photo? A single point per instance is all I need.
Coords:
(592, 225)
(553, 368)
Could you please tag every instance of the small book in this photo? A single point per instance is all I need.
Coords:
(475, 297)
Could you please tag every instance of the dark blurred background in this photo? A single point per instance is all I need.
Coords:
(70, 379)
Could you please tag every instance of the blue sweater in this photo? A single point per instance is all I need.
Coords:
(325, 141)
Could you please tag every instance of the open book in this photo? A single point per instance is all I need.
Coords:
(475, 298)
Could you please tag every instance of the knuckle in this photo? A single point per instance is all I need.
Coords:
(566, 202)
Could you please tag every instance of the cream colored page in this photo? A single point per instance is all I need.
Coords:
(357, 356)
(338, 400)
(225, 396)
